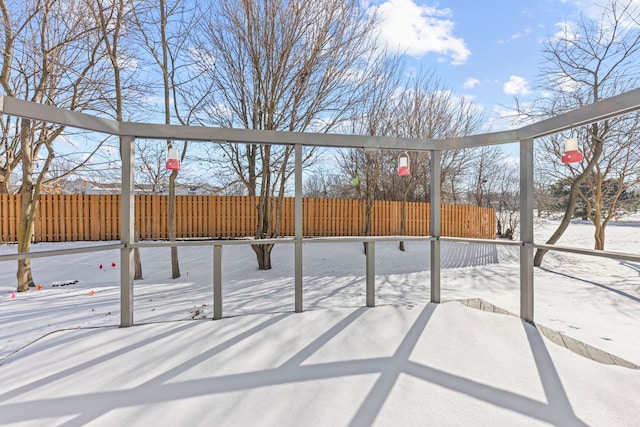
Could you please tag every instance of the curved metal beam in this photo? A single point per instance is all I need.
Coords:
(617, 105)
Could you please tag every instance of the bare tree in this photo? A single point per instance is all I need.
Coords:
(114, 20)
(164, 26)
(585, 63)
(375, 117)
(49, 57)
(281, 65)
(150, 167)
(420, 108)
(616, 172)
(486, 164)
(365, 168)
(429, 110)
(323, 183)
(494, 183)
(542, 194)
(506, 201)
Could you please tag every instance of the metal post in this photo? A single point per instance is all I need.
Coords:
(298, 228)
(435, 226)
(127, 223)
(526, 230)
(370, 248)
(217, 282)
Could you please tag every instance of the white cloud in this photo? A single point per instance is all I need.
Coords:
(506, 118)
(516, 86)
(515, 36)
(471, 83)
(593, 9)
(567, 31)
(524, 33)
(563, 82)
(419, 30)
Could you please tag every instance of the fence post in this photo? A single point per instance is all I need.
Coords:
(435, 224)
(526, 230)
(127, 222)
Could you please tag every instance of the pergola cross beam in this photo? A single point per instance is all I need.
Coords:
(606, 108)
(128, 131)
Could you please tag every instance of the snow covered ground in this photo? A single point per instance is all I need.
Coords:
(405, 362)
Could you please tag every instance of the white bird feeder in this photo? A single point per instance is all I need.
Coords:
(571, 152)
(173, 164)
(403, 164)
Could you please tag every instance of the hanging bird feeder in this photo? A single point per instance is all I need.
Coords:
(173, 164)
(403, 164)
(571, 152)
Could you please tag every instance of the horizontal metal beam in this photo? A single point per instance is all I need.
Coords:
(345, 239)
(60, 252)
(493, 138)
(616, 105)
(211, 242)
(235, 242)
(46, 113)
(500, 242)
(364, 239)
(620, 104)
(610, 107)
(590, 252)
(253, 136)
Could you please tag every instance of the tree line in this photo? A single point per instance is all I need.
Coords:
(290, 66)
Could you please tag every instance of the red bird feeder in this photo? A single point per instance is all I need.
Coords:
(403, 164)
(173, 164)
(571, 152)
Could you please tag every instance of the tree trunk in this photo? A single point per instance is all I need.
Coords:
(137, 261)
(367, 219)
(25, 227)
(599, 237)
(403, 217)
(571, 203)
(596, 218)
(264, 225)
(566, 219)
(5, 173)
(263, 254)
(175, 264)
(25, 279)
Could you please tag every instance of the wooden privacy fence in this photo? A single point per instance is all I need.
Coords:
(74, 217)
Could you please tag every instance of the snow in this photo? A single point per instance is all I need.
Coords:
(65, 361)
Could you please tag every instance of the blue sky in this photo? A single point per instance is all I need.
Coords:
(489, 51)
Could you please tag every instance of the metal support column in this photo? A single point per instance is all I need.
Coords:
(298, 228)
(434, 225)
(217, 282)
(127, 223)
(371, 273)
(526, 230)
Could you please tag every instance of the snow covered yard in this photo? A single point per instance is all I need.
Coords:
(437, 364)
(405, 362)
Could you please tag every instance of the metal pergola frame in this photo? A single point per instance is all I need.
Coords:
(129, 131)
